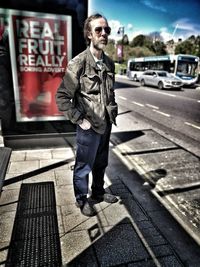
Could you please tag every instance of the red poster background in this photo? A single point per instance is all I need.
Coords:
(2, 28)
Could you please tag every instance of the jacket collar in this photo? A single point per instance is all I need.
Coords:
(92, 62)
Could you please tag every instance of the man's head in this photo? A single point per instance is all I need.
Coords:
(96, 31)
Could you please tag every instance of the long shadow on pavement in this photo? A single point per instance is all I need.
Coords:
(36, 172)
(125, 233)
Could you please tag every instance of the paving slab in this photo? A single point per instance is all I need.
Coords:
(169, 169)
(123, 245)
(133, 142)
(77, 250)
(185, 208)
(172, 172)
(23, 166)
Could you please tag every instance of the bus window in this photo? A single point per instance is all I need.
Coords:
(172, 67)
(132, 65)
(187, 68)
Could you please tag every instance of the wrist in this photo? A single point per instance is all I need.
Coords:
(80, 121)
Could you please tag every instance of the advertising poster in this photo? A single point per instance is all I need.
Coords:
(40, 48)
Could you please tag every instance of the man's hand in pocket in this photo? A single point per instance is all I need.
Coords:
(85, 125)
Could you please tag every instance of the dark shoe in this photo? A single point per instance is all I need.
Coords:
(86, 209)
(105, 197)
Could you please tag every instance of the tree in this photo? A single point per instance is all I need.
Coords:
(125, 40)
(110, 49)
(159, 48)
(138, 41)
(142, 46)
(183, 48)
(145, 41)
(197, 46)
(141, 52)
(190, 46)
(142, 40)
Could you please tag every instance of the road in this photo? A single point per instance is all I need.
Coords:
(174, 113)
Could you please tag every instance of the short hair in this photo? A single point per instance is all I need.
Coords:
(87, 26)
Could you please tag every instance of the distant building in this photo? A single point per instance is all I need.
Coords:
(171, 46)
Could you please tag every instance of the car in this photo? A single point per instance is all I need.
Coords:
(160, 79)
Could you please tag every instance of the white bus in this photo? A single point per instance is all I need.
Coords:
(182, 66)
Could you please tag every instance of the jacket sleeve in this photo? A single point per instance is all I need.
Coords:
(65, 96)
(112, 91)
(112, 108)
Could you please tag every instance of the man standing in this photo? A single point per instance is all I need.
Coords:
(86, 97)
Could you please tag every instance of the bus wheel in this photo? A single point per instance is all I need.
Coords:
(160, 85)
(142, 82)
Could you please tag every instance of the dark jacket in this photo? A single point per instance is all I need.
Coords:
(87, 92)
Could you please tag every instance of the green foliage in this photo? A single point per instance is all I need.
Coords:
(120, 68)
(128, 52)
(110, 50)
(139, 52)
(159, 48)
(142, 46)
(140, 40)
(190, 46)
(125, 40)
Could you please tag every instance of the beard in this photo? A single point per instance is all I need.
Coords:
(100, 44)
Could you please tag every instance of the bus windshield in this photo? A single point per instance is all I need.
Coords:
(185, 68)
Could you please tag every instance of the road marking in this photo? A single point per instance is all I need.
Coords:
(136, 103)
(124, 98)
(151, 106)
(162, 113)
(162, 93)
(192, 125)
(198, 101)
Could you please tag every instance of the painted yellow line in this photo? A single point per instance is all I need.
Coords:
(192, 125)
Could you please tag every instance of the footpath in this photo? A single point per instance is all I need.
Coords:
(41, 226)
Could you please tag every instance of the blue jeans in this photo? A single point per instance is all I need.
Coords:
(91, 156)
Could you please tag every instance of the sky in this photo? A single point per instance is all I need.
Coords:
(172, 19)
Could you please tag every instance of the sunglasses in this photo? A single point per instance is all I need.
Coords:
(106, 29)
